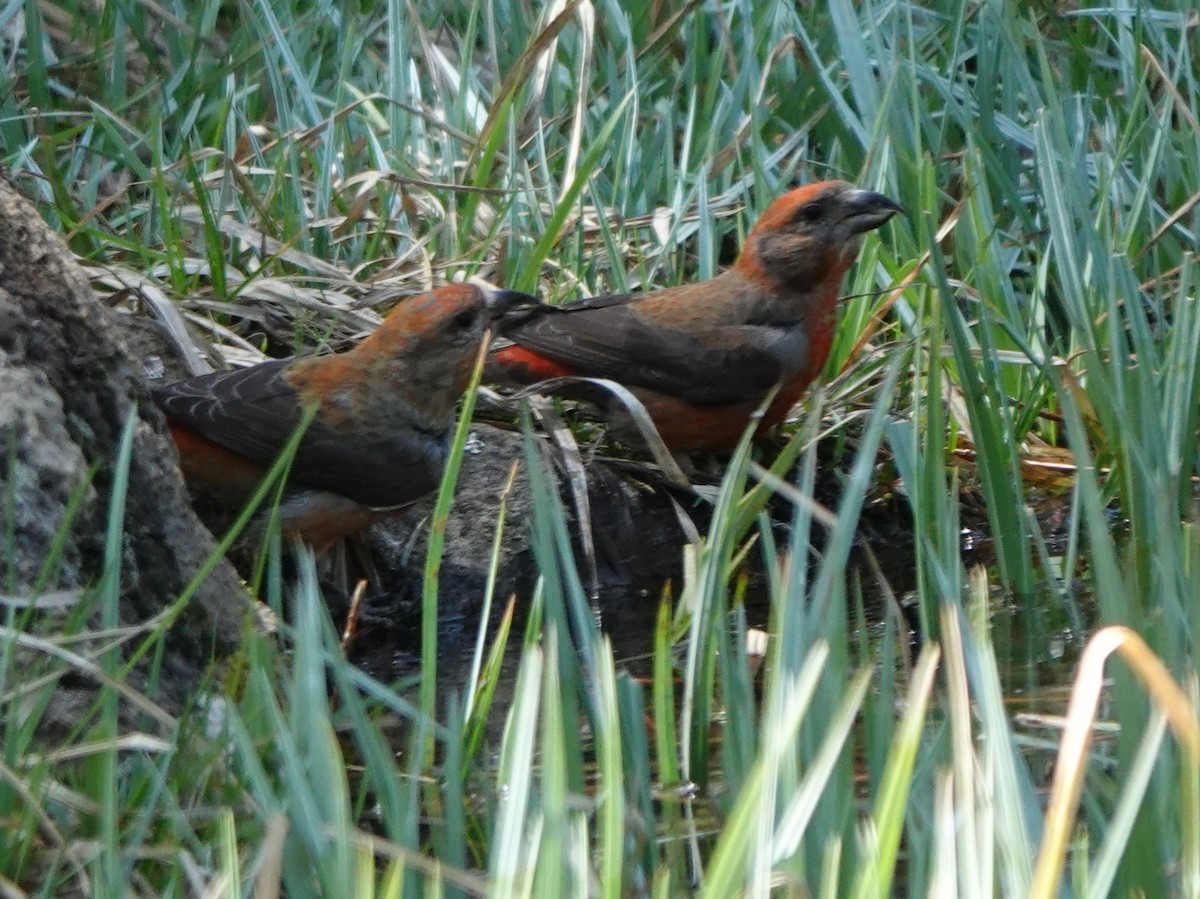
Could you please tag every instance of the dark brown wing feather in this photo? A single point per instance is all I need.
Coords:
(254, 411)
(251, 411)
(604, 337)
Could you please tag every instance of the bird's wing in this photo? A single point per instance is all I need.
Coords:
(254, 411)
(606, 337)
(251, 411)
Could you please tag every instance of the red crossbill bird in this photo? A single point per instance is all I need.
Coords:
(702, 357)
(383, 416)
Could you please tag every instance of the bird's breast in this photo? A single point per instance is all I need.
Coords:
(789, 345)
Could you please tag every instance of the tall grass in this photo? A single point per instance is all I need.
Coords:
(1029, 329)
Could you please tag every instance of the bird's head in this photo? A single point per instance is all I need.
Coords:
(813, 233)
(431, 341)
(446, 322)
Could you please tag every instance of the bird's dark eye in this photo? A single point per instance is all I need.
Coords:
(812, 212)
(466, 319)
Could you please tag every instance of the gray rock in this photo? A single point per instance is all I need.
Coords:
(67, 387)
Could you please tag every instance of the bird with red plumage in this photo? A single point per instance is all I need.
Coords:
(382, 414)
(702, 357)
